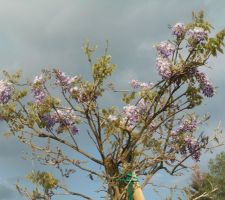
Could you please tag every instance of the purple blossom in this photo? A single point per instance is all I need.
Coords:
(163, 66)
(142, 106)
(64, 118)
(67, 118)
(165, 49)
(198, 34)
(135, 84)
(74, 130)
(131, 115)
(38, 94)
(5, 91)
(64, 80)
(178, 30)
(49, 121)
(146, 86)
(208, 90)
(190, 144)
(194, 148)
(205, 85)
(187, 126)
(38, 89)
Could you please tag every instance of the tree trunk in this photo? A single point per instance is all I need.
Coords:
(118, 190)
(122, 194)
(138, 194)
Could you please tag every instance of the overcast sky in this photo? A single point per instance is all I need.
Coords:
(37, 34)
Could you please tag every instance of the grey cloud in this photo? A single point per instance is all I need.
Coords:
(42, 34)
(9, 147)
(7, 193)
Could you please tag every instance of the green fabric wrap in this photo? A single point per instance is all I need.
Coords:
(130, 179)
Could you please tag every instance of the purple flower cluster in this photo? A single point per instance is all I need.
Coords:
(164, 49)
(205, 85)
(189, 144)
(68, 83)
(135, 84)
(66, 114)
(5, 91)
(194, 148)
(38, 89)
(163, 66)
(187, 126)
(38, 94)
(178, 30)
(208, 90)
(49, 121)
(143, 107)
(65, 118)
(198, 34)
(163, 63)
(64, 80)
(73, 129)
(131, 115)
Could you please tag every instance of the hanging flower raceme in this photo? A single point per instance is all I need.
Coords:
(67, 115)
(194, 147)
(49, 121)
(38, 90)
(163, 62)
(141, 105)
(185, 145)
(179, 30)
(65, 118)
(135, 84)
(163, 66)
(38, 94)
(131, 115)
(198, 34)
(164, 49)
(183, 136)
(143, 108)
(6, 89)
(187, 126)
(64, 80)
(205, 85)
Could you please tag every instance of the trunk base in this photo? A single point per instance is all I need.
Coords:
(138, 194)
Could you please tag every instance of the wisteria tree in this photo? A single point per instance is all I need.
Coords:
(155, 129)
